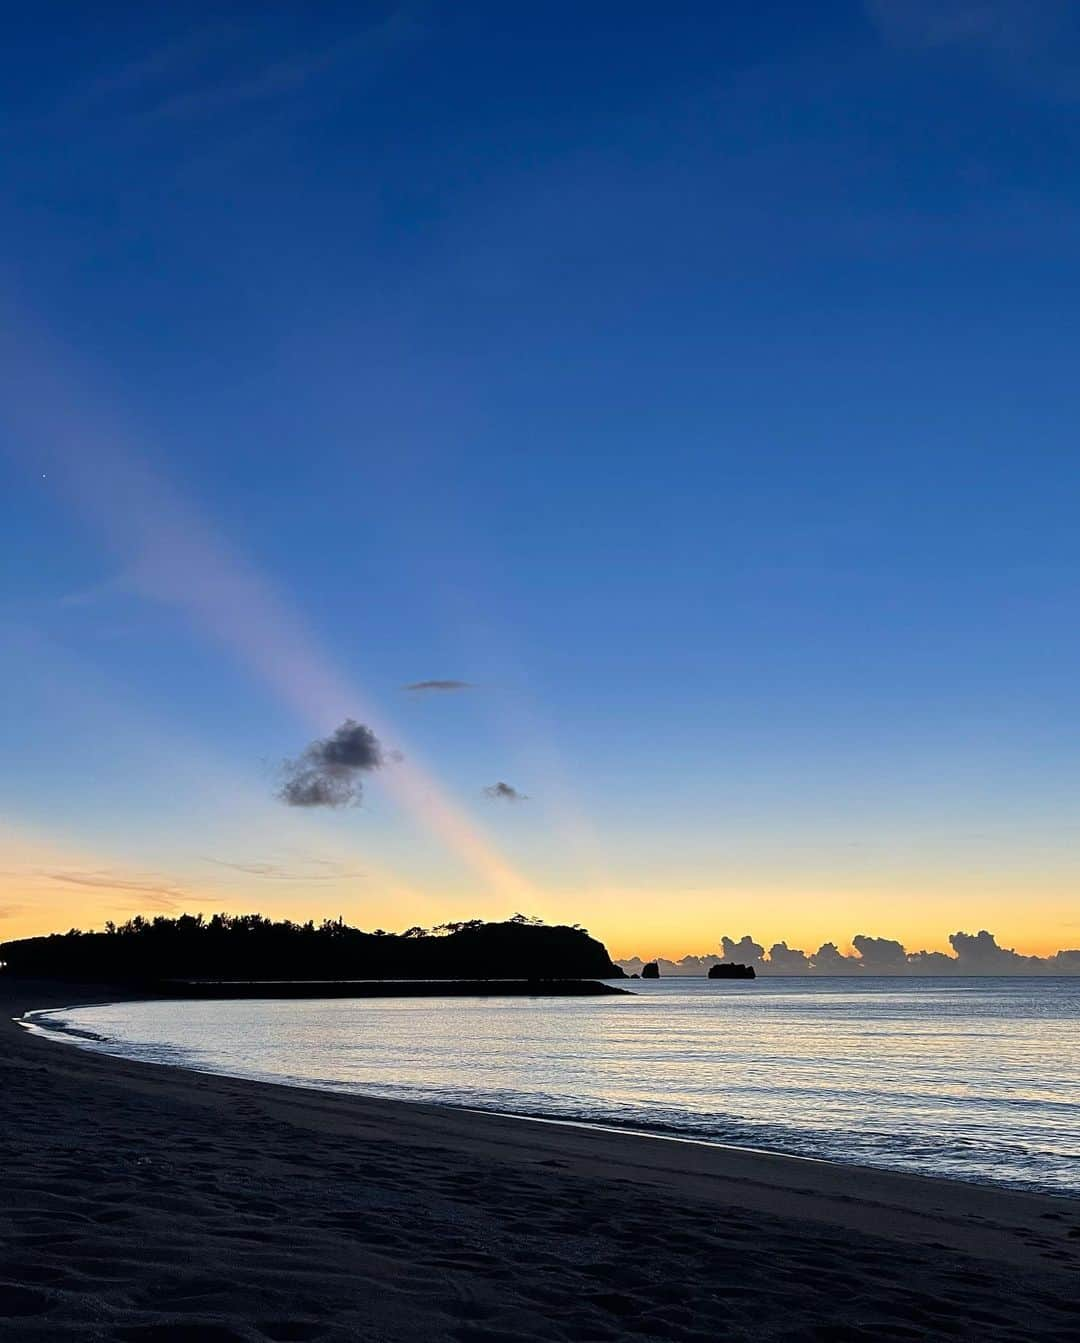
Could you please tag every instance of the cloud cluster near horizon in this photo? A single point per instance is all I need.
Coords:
(973, 954)
(504, 792)
(328, 773)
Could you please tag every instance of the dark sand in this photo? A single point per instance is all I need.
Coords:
(155, 1205)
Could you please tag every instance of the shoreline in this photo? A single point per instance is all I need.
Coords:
(73, 1038)
(548, 1217)
(87, 1040)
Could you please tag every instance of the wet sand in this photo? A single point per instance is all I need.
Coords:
(152, 1204)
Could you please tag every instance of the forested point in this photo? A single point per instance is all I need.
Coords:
(251, 946)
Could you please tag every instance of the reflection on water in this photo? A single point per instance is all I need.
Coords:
(976, 1079)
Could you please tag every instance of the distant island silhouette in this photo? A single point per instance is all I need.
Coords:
(249, 947)
(651, 970)
(732, 970)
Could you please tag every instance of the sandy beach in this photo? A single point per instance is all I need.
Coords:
(151, 1204)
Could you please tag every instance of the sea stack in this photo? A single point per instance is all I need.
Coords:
(732, 970)
(651, 971)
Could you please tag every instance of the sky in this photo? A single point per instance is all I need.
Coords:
(653, 425)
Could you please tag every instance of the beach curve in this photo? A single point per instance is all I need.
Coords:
(155, 1203)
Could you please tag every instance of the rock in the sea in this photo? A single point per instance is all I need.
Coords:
(651, 971)
(732, 970)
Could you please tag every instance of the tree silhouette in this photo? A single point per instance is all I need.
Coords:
(253, 947)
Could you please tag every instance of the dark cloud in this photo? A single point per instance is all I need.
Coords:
(439, 685)
(979, 953)
(328, 774)
(351, 746)
(310, 788)
(880, 955)
(746, 951)
(784, 960)
(688, 965)
(931, 963)
(830, 960)
(504, 792)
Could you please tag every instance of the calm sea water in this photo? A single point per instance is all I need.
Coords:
(976, 1079)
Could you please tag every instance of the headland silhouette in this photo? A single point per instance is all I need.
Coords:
(250, 947)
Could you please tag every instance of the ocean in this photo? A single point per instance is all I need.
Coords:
(972, 1079)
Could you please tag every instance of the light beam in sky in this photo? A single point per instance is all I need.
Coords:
(176, 558)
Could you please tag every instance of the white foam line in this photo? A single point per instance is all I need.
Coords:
(589, 1124)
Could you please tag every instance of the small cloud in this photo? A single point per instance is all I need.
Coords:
(309, 788)
(328, 773)
(438, 686)
(504, 792)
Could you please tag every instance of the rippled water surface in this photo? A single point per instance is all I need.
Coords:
(974, 1079)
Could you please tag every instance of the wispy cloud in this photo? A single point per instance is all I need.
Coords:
(153, 891)
(162, 63)
(940, 23)
(1030, 43)
(268, 82)
(315, 869)
(438, 687)
(234, 63)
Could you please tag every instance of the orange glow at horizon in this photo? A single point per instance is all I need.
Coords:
(175, 557)
(48, 885)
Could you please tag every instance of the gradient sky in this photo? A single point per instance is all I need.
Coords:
(696, 382)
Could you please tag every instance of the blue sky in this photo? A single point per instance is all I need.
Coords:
(694, 381)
